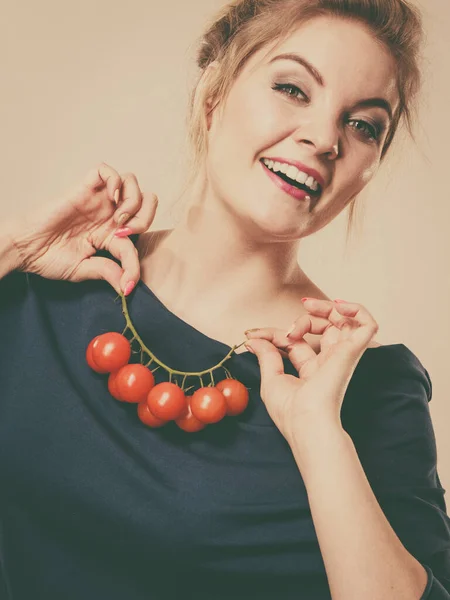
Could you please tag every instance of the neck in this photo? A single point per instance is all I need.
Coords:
(213, 258)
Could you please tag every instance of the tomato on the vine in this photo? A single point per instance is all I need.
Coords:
(90, 360)
(148, 417)
(112, 385)
(188, 421)
(110, 351)
(133, 382)
(167, 401)
(236, 395)
(208, 404)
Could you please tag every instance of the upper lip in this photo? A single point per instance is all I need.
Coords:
(290, 161)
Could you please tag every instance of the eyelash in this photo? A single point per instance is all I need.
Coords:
(372, 133)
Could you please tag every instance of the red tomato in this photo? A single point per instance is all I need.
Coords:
(188, 422)
(208, 404)
(133, 382)
(110, 351)
(112, 386)
(90, 360)
(147, 417)
(167, 401)
(236, 395)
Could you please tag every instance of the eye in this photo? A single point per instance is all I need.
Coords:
(371, 132)
(290, 90)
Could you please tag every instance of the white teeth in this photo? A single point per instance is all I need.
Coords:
(301, 177)
(309, 182)
(293, 173)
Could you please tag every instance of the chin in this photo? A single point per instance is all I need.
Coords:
(271, 225)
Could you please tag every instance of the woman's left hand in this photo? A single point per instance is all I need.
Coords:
(298, 405)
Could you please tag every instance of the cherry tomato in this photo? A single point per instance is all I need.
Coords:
(236, 395)
(110, 351)
(90, 360)
(187, 421)
(133, 382)
(208, 404)
(167, 401)
(147, 417)
(112, 385)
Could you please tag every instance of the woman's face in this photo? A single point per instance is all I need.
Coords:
(278, 109)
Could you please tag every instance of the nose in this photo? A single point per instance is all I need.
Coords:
(321, 135)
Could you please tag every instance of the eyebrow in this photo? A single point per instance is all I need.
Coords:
(302, 61)
(369, 102)
(378, 103)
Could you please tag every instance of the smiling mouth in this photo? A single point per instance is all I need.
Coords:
(292, 182)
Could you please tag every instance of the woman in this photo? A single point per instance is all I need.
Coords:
(326, 485)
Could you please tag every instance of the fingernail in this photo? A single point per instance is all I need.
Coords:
(116, 196)
(288, 333)
(251, 330)
(123, 232)
(249, 348)
(129, 288)
(123, 217)
(338, 300)
(303, 299)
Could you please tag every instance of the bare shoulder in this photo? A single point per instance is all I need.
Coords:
(374, 344)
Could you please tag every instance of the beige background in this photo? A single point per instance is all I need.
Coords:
(92, 81)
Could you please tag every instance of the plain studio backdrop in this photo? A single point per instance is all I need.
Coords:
(92, 81)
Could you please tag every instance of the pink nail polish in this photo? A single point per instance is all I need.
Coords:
(129, 288)
(343, 301)
(303, 299)
(123, 232)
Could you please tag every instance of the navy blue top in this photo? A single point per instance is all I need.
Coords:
(94, 504)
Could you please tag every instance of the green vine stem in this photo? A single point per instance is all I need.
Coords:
(171, 371)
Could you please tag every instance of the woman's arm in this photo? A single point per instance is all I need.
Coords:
(375, 495)
(362, 554)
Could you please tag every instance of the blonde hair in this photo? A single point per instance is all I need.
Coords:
(243, 27)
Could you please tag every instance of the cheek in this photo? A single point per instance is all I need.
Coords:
(357, 171)
(369, 171)
(252, 122)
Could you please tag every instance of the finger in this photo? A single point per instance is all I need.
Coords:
(303, 325)
(99, 268)
(270, 361)
(367, 326)
(342, 313)
(124, 250)
(143, 219)
(298, 350)
(103, 176)
(130, 199)
(327, 310)
(347, 315)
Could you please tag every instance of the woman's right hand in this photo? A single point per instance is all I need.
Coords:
(60, 239)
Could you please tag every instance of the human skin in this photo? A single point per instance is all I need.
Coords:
(238, 241)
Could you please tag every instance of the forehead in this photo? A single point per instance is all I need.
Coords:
(345, 53)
